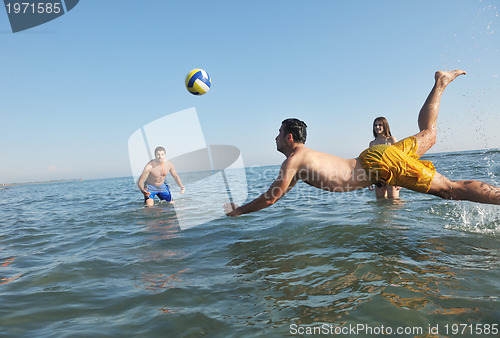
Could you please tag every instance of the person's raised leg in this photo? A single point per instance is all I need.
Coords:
(427, 118)
(474, 191)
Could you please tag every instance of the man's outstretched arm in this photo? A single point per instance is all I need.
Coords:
(286, 180)
(177, 179)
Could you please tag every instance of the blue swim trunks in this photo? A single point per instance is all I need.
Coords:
(162, 191)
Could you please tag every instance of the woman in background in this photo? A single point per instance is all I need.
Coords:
(382, 134)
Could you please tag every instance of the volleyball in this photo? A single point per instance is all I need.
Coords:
(198, 82)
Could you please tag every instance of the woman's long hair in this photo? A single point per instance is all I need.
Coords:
(385, 124)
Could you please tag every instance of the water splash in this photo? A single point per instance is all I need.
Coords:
(475, 218)
(491, 167)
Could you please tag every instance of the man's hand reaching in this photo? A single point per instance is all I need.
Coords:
(230, 209)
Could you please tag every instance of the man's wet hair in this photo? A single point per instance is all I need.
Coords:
(297, 128)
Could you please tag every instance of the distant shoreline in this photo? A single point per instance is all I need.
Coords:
(39, 182)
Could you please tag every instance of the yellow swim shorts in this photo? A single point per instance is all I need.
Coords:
(399, 165)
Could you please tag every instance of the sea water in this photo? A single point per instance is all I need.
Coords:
(86, 258)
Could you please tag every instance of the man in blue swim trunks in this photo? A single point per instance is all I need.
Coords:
(152, 180)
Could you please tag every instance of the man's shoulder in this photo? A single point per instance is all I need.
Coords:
(304, 156)
(168, 164)
(292, 161)
(299, 153)
(148, 166)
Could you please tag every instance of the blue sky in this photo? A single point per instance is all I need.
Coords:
(74, 89)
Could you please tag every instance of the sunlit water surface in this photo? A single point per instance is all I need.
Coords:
(88, 259)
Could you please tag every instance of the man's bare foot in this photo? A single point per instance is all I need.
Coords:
(444, 78)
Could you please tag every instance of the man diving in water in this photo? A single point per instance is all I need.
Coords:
(395, 165)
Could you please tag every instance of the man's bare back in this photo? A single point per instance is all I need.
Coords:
(327, 172)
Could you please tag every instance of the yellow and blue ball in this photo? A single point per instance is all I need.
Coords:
(198, 82)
